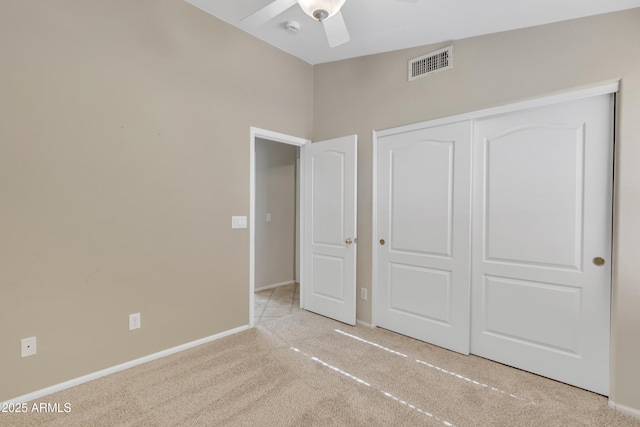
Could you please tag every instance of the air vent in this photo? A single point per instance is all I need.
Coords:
(431, 63)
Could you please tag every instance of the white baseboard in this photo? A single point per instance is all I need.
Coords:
(108, 371)
(275, 285)
(365, 324)
(625, 409)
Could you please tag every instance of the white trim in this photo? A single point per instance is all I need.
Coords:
(624, 409)
(301, 202)
(278, 137)
(573, 95)
(374, 229)
(255, 133)
(112, 370)
(298, 261)
(275, 285)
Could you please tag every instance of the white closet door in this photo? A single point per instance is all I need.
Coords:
(542, 240)
(423, 234)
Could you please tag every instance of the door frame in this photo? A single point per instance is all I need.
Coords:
(611, 87)
(256, 133)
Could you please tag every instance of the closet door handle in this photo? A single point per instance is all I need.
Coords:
(382, 242)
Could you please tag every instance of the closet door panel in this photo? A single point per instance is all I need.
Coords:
(423, 234)
(542, 240)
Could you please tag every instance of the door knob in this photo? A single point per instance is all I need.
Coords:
(599, 261)
(348, 241)
(382, 241)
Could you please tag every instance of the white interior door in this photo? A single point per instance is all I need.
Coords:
(423, 234)
(329, 274)
(542, 240)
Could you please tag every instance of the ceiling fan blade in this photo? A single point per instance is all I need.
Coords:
(336, 30)
(268, 12)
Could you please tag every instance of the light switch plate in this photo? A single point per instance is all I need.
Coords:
(268, 217)
(238, 222)
(135, 321)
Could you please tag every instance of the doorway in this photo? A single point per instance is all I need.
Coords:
(327, 225)
(276, 230)
(274, 221)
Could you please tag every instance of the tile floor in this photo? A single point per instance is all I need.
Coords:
(277, 302)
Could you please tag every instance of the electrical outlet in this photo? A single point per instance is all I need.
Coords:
(134, 321)
(28, 346)
(363, 293)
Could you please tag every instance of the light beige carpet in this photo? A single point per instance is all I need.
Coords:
(304, 370)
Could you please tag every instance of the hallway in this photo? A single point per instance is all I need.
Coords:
(277, 302)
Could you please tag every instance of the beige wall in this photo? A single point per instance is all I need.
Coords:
(373, 93)
(124, 152)
(275, 194)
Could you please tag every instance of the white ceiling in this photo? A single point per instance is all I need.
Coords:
(383, 25)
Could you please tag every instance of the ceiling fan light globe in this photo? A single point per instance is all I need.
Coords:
(321, 9)
(320, 14)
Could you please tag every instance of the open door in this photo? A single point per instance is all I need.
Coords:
(329, 235)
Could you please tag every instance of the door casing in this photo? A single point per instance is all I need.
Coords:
(256, 133)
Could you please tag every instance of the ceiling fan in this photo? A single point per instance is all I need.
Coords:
(325, 11)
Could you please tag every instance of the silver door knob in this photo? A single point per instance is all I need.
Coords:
(348, 241)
